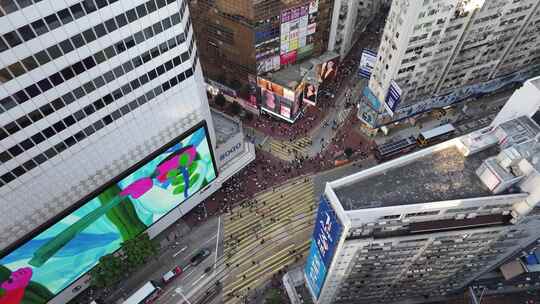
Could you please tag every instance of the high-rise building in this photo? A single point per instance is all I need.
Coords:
(524, 102)
(421, 227)
(242, 39)
(349, 20)
(435, 53)
(101, 102)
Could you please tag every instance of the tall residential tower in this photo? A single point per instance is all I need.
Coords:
(434, 53)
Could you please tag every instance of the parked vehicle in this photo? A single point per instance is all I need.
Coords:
(171, 274)
(199, 257)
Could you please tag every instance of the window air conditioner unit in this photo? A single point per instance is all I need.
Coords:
(460, 216)
(471, 215)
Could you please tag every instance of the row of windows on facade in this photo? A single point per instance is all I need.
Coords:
(10, 6)
(91, 108)
(88, 87)
(94, 127)
(79, 40)
(67, 15)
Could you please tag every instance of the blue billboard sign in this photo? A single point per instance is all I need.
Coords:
(367, 62)
(393, 98)
(374, 102)
(325, 238)
(315, 270)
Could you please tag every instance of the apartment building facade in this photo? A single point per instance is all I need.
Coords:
(89, 91)
(441, 52)
(421, 227)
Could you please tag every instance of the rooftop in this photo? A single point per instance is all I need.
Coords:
(225, 127)
(439, 176)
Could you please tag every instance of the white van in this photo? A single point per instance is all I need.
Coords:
(147, 294)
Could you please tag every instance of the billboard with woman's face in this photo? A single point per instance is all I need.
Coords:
(327, 71)
(310, 93)
(277, 100)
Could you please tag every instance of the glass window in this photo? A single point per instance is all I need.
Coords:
(89, 6)
(12, 39)
(141, 10)
(69, 121)
(32, 91)
(130, 42)
(54, 51)
(44, 84)
(118, 71)
(26, 32)
(137, 61)
(67, 73)
(79, 115)
(121, 20)
(68, 98)
(66, 46)
(100, 57)
(78, 92)
(8, 103)
(120, 47)
(25, 3)
(59, 126)
(160, 70)
(151, 6)
(101, 3)
(109, 52)
(77, 10)
(8, 6)
(29, 165)
(99, 104)
(100, 30)
(52, 22)
(144, 79)
(126, 89)
(161, 3)
(99, 81)
(108, 76)
(89, 109)
(139, 37)
(167, 23)
(152, 74)
(39, 27)
(16, 69)
(128, 66)
(65, 16)
(46, 109)
(131, 15)
(5, 76)
(185, 56)
(56, 79)
(89, 87)
(110, 25)
(168, 65)
(12, 128)
(89, 62)
(57, 104)
(35, 115)
(89, 35)
(42, 57)
(15, 150)
(148, 32)
(89, 130)
(49, 132)
(117, 94)
(157, 28)
(77, 40)
(78, 68)
(3, 45)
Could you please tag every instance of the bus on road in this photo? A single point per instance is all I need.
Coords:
(393, 149)
(434, 135)
(147, 294)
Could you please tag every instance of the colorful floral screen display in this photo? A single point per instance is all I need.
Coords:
(40, 268)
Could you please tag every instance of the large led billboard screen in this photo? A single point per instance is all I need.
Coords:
(48, 261)
(326, 236)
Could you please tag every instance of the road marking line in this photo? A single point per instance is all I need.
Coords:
(197, 281)
(179, 251)
(217, 243)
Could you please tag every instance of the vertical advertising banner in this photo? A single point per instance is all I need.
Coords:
(326, 236)
(310, 93)
(367, 62)
(393, 98)
(327, 71)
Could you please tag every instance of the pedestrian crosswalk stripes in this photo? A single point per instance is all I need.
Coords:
(287, 150)
(267, 234)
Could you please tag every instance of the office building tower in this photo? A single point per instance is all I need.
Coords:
(421, 227)
(239, 40)
(105, 132)
(436, 53)
(524, 102)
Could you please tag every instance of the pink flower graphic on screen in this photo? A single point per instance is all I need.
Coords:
(138, 188)
(13, 288)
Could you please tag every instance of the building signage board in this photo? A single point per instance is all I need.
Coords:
(393, 98)
(325, 239)
(367, 62)
(277, 100)
(298, 26)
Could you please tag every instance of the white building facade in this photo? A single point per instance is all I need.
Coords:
(349, 20)
(524, 102)
(88, 89)
(453, 49)
(421, 227)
